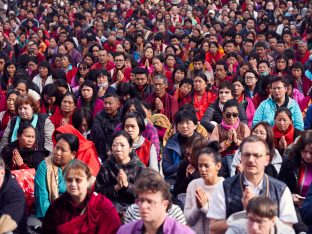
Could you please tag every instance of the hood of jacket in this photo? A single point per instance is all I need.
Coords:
(84, 144)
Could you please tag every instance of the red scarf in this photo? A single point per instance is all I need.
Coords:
(5, 120)
(289, 135)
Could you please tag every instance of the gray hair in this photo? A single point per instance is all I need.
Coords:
(161, 77)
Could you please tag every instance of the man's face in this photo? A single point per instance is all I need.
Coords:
(272, 43)
(263, 67)
(119, 61)
(102, 56)
(250, 24)
(140, 79)
(260, 51)
(302, 48)
(278, 90)
(259, 225)
(152, 206)
(280, 47)
(30, 16)
(198, 65)
(160, 87)
(229, 47)
(111, 105)
(254, 158)
(33, 49)
(220, 72)
(248, 47)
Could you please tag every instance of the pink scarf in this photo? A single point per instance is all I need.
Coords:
(228, 127)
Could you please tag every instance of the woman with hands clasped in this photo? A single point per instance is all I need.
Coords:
(231, 131)
(118, 173)
(200, 190)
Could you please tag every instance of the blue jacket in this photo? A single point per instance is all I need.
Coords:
(308, 119)
(172, 157)
(267, 109)
(306, 210)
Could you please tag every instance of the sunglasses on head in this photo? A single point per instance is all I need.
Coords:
(228, 115)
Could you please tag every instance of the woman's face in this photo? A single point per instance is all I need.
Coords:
(281, 64)
(170, 61)
(12, 37)
(77, 183)
(87, 93)
(32, 66)
(11, 69)
(213, 49)
(250, 79)
(306, 154)
(127, 45)
(238, 39)
(158, 65)
(199, 84)
(186, 128)
(282, 121)
(25, 111)
(68, 104)
(62, 50)
(62, 153)
(43, 71)
(132, 127)
(238, 88)
(119, 48)
(22, 38)
(83, 70)
(206, 46)
(178, 76)
(207, 167)
(49, 100)
(225, 95)
(27, 138)
(230, 115)
(88, 61)
(84, 127)
(260, 132)
(10, 102)
(121, 149)
(149, 53)
(21, 88)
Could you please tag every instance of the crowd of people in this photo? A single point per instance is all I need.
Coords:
(176, 116)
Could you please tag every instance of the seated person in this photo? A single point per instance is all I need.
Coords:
(133, 124)
(49, 179)
(231, 131)
(153, 199)
(261, 218)
(79, 210)
(23, 153)
(12, 203)
(119, 172)
(175, 149)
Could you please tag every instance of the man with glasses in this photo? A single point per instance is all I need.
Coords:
(235, 193)
(153, 200)
(267, 108)
(120, 73)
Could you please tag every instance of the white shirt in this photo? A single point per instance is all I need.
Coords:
(217, 209)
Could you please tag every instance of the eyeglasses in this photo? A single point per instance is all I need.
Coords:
(141, 201)
(119, 60)
(255, 155)
(249, 77)
(229, 115)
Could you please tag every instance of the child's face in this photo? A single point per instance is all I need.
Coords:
(185, 89)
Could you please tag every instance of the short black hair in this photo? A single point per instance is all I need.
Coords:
(80, 114)
(138, 117)
(71, 139)
(185, 115)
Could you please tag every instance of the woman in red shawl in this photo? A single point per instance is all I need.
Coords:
(283, 129)
(79, 210)
(10, 111)
(64, 115)
(86, 152)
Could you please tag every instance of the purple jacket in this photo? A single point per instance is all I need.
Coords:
(171, 226)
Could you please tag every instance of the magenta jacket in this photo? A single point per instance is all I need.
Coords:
(250, 111)
(98, 105)
(302, 100)
(171, 226)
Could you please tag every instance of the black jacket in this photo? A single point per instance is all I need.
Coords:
(289, 174)
(214, 113)
(102, 132)
(12, 202)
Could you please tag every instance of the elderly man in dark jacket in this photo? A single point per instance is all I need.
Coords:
(12, 203)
